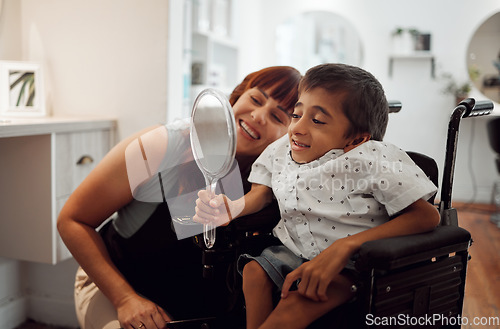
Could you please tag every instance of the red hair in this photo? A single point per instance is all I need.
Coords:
(282, 80)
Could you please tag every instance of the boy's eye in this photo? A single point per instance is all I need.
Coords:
(295, 116)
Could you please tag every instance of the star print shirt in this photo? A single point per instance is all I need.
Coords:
(339, 194)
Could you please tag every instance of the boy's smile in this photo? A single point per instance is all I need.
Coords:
(318, 125)
(298, 146)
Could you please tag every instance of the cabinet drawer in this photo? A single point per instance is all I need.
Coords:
(76, 154)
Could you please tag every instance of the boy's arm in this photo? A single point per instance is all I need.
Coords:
(220, 209)
(255, 200)
(317, 274)
(418, 217)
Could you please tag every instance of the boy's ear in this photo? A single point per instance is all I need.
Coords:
(357, 141)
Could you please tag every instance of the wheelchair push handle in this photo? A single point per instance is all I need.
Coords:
(394, 106)
(466, 108)
(475, 109)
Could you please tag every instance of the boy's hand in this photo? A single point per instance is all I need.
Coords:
(213, 208)
(317, 274)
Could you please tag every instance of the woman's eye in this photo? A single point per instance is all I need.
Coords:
(255, 100)
(318, 122)
(277, 118)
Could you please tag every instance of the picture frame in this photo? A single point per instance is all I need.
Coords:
(21, 89)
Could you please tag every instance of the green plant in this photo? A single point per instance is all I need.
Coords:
(474, 72)
(27, 81)
(399, 30)
(458, 89)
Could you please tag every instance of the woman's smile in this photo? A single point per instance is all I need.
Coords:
(248, 131)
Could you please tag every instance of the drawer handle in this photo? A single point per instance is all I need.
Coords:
(85, 159)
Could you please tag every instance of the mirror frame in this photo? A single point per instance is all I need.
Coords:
(476, 64)
(209, 229)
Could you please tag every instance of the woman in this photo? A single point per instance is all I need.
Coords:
(134, 272)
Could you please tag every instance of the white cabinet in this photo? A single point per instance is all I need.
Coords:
(204, 55)
(41, 163)
(213, 50)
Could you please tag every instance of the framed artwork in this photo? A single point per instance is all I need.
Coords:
(21, 89)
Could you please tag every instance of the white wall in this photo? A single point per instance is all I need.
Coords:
(110, 58)
(100, 57)
(10, 30)
(423, 122)
(12, 299)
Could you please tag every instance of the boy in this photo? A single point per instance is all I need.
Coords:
(337, 184)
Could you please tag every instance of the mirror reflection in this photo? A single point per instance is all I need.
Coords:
(213, 134)
(483, 60)
(316, 37)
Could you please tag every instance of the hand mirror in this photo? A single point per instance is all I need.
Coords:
(213, 141)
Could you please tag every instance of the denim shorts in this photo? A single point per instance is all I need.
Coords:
(278, 261)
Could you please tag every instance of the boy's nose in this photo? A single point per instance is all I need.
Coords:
(298, 127)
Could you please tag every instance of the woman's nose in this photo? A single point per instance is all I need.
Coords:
(260, 115)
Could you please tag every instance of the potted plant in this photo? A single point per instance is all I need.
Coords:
(460, 89)
(403, 40)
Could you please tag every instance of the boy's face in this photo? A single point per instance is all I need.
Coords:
(318, 125)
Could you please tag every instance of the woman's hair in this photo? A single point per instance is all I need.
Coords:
(282, 80)
(363, 98)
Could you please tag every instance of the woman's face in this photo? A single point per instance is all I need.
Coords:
(260, 120)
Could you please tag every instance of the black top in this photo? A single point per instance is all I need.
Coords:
(169, 271)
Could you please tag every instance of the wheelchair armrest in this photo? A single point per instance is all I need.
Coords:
(392, 253)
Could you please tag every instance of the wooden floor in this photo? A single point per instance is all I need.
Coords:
(34, 325)
(482, 288)
(482, 285)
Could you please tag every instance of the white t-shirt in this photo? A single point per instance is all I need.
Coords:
(339, 194)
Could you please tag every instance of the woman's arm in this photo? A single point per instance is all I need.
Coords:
(317, 274)
(105, 190)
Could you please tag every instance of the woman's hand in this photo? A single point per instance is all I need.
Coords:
(217, 209)
(317, 274)
(139, 313)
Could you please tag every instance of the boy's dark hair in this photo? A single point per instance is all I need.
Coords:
(364, 102)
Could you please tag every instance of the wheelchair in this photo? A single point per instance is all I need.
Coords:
(409, 281)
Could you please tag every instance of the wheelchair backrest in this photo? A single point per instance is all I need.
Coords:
(428, 166)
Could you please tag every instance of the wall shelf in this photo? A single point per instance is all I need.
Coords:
(413, 57)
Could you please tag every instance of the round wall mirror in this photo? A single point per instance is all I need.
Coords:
(317, 37)
(483, 58)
